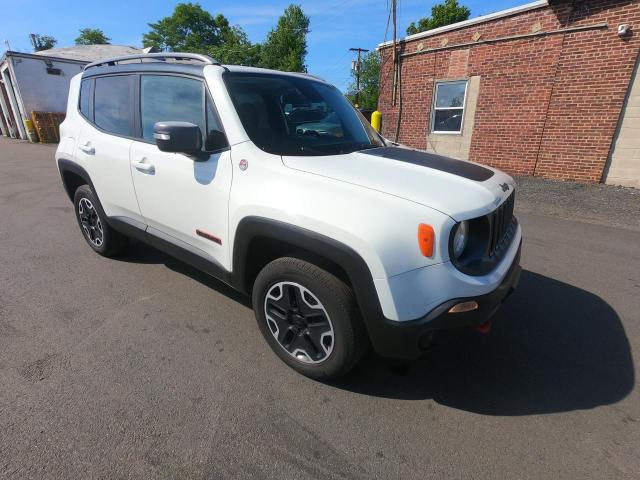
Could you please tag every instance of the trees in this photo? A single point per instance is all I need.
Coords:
(369, 81)
(235, 47)
(286, 45)
(42, 42)
(193, 29)
(92, 36)
(189, 29)
(441, 14)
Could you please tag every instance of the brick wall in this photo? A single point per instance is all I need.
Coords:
(548, 104)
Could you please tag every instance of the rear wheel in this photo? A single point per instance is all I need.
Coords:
(92, 221)
(309, 318)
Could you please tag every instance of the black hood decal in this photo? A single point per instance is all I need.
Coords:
(437, 162)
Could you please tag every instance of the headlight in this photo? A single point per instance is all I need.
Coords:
(460, 239)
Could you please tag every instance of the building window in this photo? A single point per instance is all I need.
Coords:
(448, 107)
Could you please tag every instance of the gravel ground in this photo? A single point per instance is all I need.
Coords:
(599, 204)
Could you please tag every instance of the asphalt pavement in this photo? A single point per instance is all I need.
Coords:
(142, 367)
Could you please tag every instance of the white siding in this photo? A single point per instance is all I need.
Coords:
(624, 166)
(39, 90)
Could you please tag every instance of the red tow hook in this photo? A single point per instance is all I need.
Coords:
(484, 327)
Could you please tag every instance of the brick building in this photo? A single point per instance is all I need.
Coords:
(549, 88)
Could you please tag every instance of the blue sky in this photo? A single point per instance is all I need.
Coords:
(336, 25)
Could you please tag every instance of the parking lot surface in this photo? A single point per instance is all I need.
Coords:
(142, 367)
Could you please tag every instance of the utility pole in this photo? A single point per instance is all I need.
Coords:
(356, 68)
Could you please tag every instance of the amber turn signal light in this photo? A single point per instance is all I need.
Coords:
(426, 239)
(464, 307)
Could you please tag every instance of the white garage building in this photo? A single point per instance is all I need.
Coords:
(40, 81)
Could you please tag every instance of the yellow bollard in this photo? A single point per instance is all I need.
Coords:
(31, 131)
(376, 120)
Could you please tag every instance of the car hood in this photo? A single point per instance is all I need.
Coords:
(457, 188)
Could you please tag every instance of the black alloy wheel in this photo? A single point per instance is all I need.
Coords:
(299, 322)
(309, 317)
(90, 222)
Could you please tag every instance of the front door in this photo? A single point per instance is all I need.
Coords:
(184, 200)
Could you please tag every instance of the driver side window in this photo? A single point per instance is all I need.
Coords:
(165, 98)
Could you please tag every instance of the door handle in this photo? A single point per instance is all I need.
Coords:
(144, 167)
(87, 148)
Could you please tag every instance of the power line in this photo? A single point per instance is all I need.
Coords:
(337, 64)
(386, 29)
(331, 16)
(384, 59)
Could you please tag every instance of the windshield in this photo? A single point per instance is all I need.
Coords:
(287, 115)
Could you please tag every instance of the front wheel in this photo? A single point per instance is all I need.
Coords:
(309, 318)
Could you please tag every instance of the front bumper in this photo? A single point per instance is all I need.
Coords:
(402, 340)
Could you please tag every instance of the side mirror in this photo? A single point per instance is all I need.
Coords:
(216, 140)
(178, 137)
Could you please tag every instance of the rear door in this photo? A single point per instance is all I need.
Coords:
(104, 143)
(184, 200)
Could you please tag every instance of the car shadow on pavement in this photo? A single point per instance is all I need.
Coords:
(138, 252)
(553, 348)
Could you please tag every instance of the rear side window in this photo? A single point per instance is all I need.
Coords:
(85, 89)
(112, 104)
(166, 98)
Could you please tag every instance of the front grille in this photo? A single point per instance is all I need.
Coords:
(490, 237)
(500, 225)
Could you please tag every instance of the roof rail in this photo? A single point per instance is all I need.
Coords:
(161, 57)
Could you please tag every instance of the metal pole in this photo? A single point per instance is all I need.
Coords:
(357, 70)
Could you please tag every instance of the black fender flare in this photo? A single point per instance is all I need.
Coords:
(389, 338)
(305, 240)
(69, 166)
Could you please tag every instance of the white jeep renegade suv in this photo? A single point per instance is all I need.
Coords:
(273, 183)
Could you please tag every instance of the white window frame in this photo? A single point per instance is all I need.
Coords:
(434, 108)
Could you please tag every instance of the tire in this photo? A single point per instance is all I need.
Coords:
(92, 222)
(319, 333)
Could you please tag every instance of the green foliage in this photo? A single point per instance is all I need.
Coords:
(441, 14)
(192, 29)
(189, 29)
(369, 82)
(235, 47)
(92, 36)
(42, 42)
(286, 45)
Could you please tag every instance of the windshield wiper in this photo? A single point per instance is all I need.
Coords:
(336, 148)
(367, 146)
(307, 149)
